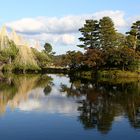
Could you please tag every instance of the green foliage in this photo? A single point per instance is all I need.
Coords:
(133, 37)
(121, 57)
(108, 49)
(73, 59)
(22, 58)
(59, 60)
(93, 58)
(117, 74)
(105, 48)
(25, 59)
(8, 68)
(16, 55)
(42, 58)
(9, 53)
(90, 34)
(99, 34)
(48, 47)
(107, 33)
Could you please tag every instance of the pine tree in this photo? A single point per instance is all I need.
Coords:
(90, 34)
(107, 33)
(133, 38)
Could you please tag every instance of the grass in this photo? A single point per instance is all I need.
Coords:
(113, 76)
(118, 74)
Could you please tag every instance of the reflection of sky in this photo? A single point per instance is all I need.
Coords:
(55, 102)
(49, 117)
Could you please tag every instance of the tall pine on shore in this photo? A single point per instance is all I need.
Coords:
(107, 33)
(90, 34)
(133, 38)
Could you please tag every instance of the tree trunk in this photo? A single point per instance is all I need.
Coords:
(123, 67)
(23, 71)
(135, 43)
(10, 60)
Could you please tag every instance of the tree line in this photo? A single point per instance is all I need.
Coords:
(105, 47)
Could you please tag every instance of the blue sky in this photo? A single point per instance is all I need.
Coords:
(15, 9)
(18, 14)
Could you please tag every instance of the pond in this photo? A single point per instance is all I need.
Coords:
(56, 107)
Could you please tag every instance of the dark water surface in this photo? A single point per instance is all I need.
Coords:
(56, 107)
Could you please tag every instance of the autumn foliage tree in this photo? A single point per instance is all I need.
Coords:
(93, 58)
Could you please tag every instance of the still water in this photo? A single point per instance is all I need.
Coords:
(56, 107)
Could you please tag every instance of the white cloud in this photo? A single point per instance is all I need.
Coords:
(29, 105)
(62, 39)
(117, 17)
(53, 103)
(27, 25)
(61, 31)
(132, 20)
(62, 25)
(58, 104)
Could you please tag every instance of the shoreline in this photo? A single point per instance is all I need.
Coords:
(109, 74)
(40, 71)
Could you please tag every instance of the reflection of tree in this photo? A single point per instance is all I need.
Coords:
(74, 90)
(47, 84)
(15, 88)
(47, 90)
(104, 101)
(7, 92)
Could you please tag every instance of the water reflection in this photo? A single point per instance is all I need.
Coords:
(105, 102)
(15, 89)
(96, 104)
(34, 93)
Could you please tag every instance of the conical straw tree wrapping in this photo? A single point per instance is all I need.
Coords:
(25, 58)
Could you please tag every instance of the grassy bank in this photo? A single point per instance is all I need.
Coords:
(118, 74)
(105, 75)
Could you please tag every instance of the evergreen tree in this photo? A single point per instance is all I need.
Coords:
(48, 47)
(90, 34)
(133, 38)
(107, 33)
